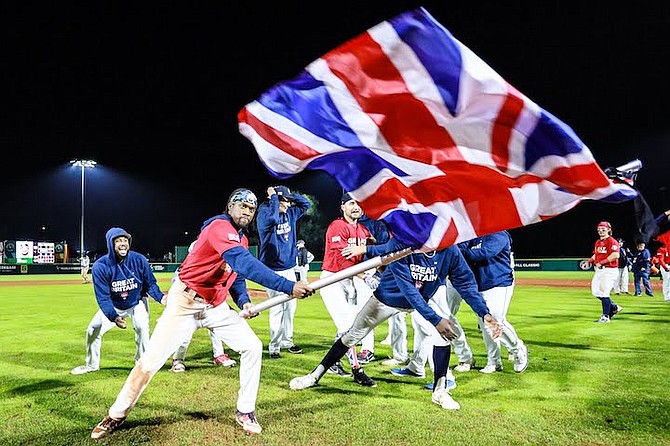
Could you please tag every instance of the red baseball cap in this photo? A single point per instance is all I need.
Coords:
(605, 224)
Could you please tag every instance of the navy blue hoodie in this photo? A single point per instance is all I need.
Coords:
(490, 258)
(411, 281)
(277, 231)
(122, 283)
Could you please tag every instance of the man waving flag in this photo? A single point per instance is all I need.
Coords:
(426, 136)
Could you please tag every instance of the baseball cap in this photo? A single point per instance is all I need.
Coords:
(282, 192)
(604, 224)
(243, 195)
(346, 197)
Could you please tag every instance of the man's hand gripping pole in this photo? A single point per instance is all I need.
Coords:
(336, 277)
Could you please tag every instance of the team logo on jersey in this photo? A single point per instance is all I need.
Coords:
(284, 229)
(234, 236)
(422, 273)
(335, 239)
(122, 287)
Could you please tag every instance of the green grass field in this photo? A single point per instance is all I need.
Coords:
(587, 383)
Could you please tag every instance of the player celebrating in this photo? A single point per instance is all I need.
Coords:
(605, 262)
(276, 223)
(120, 280)
(408, 283)
(342, 299)
(219, 264)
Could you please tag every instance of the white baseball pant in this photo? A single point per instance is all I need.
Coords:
(99, 325)
(340, 299)
(281, 317)
(185, 312)
(498, 300)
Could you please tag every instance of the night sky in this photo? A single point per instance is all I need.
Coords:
(151, 91)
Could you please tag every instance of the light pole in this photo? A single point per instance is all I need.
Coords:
(83, 164)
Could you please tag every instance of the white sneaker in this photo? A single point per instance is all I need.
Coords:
(393, 362)
(302, 382)
(521, 359)
(465, 366)
(80, 370)
(451, 380)
(490, 368)
(444, 399)
(178, 366)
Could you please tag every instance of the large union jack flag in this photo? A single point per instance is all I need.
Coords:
(425, 135)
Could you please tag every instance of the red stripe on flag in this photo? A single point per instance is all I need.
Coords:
(580, 179)
(450, 235)
(483, 191)
(376, 84)
(508, 116)
(276, 138)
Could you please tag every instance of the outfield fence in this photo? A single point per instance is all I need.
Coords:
(571, 264)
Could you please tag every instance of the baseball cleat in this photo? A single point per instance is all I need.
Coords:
(465, 366)
(178, 366)
(337, 369)
(444, 399)
(248, 422)
(365, 356)
(225, 361)
(364, 380)
(521, 359)
(404, 371)
(80, 370)
(106, 427)
(490, 368)
(302, 382)
(294, 349)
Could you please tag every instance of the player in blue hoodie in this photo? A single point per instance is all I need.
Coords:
(409, 283)
(276, 222)
(121, 280)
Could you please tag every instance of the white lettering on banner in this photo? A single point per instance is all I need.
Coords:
(119, 286)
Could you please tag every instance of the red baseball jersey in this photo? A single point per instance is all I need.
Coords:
(204, 270)
(603, 249)
(663, 257)
(340, 234)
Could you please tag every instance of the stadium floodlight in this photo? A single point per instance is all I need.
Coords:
(83, 164)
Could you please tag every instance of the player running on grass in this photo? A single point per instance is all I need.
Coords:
(409, 283)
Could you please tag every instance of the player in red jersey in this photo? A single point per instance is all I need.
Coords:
(663, 256)
(218, 265)
(605, 262)
(343, 299)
